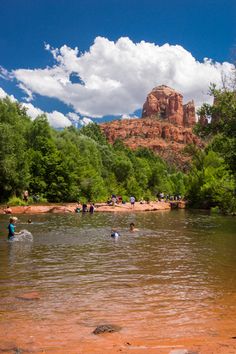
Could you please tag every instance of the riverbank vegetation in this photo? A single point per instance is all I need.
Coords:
(212, 179)
(71, 164)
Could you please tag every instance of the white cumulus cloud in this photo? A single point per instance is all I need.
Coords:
(56, 119)
(127, 116)
(3, 94)
(32, 111)
(114, 78)
(77, 120)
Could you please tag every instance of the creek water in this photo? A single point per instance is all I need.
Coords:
(174, 278)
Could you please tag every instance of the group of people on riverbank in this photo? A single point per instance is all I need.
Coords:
(167, 197)
(84, 208)
(116, 200)
(113, 201)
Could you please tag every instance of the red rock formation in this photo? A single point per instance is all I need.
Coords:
(164, 138)
(189, 114)
(166, 104)
(165, 126)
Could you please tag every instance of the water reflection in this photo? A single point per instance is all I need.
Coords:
(176, 270)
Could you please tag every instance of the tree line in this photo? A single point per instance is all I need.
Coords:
(79, 164)
(75, 164)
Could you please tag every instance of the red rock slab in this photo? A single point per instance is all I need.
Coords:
(29, 296)
(153, 206)
(99, 207)
(41, 209)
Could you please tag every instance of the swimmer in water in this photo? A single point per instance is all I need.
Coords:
(11, 228)
(132, 228)
(114, 233)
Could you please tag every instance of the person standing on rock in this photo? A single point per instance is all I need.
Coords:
(132, 201)
(26, 196)
(91, 208)
(84, 208)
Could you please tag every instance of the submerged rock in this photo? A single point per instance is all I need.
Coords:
(106, 329)
(29, 296)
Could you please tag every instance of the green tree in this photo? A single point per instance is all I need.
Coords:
(14, 172)
(221, 115)
(133, 188)
(211, 183)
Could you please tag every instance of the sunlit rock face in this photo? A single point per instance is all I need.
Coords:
(166, 104)
(165, 127)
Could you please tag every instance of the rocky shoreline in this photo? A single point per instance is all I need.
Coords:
(99, 207)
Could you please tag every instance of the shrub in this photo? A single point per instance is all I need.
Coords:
(15, 201)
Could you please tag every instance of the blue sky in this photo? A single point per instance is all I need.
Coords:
(131, 47)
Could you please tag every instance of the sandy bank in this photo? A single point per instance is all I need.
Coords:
(100, 207)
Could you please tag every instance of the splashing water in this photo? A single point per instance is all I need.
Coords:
(22, 236)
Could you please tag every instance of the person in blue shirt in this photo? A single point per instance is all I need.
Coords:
(11, 228)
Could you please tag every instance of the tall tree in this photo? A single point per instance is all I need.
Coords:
(14, 174)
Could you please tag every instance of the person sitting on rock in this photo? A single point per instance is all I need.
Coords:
(8, 210)
(113, 200)
(109, 201)
(77, 208)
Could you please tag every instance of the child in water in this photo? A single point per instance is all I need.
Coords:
(132, 227)
(114, 233)
(11, 228)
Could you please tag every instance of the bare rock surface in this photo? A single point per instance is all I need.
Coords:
(167, 104)
(165, 127)
(29, 296)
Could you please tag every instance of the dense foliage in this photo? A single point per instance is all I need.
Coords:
(212, 180)
(72, 164)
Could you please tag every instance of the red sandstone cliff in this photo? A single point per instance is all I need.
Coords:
(165, 126)
(167, 104)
